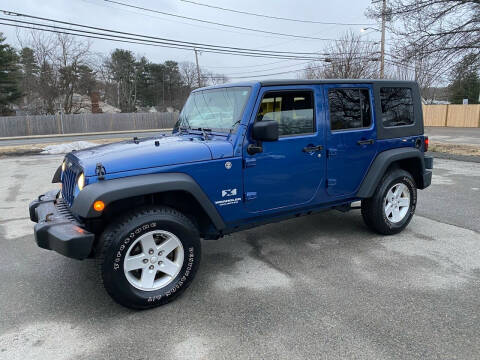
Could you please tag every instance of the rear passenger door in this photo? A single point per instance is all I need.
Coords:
(351, 136)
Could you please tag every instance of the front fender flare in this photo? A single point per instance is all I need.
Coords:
(381, 164)
(109, 191)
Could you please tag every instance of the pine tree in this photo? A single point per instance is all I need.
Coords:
(29, 76)
(9, 77)
(466, 81)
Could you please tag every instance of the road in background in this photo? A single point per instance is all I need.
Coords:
(321, 286)
(452, 135)
(454, 196)
(469, 136)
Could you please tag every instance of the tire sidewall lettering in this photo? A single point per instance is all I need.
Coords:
(181, 280)
(120, 253)
(171, 289)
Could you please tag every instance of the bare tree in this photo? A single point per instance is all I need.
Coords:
(188, 70)
(43, 45)
(425, 69)
(62, 59)
(210, 78)
(445, 29)
(70, 57)
(349, 58)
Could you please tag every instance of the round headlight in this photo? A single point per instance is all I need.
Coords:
(64, 166)
(81, 181)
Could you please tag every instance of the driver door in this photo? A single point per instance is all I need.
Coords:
(289, 171)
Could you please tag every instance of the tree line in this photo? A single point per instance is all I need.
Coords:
(434, 42)
(60, 73)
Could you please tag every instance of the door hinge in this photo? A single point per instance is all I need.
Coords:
(249, 162)
(331, 182)
(250, 196)
(331, 152)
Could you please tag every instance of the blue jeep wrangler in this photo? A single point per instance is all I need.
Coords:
(240, 155)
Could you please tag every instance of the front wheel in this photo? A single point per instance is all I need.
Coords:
(149, 257)
(392, 206)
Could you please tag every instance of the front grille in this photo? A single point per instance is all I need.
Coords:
(64, 210)
(69, 179)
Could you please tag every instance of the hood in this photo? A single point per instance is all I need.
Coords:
(151, 152)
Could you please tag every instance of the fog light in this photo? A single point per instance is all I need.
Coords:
(98, 205)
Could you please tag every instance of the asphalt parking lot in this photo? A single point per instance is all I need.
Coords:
(315, 287)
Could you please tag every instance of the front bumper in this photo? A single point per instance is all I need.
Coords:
(57, 229)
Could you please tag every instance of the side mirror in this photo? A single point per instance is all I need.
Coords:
(266, 130)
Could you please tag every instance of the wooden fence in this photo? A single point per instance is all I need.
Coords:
(451, 115)
(83, 123)
(433, 115)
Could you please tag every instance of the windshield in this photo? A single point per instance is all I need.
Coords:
(215, 109)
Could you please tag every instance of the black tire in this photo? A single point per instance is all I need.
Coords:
(373, 212)
(120, 235)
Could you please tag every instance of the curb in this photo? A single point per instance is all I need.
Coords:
(81, 134)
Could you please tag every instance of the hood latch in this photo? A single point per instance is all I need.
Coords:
(100, 171)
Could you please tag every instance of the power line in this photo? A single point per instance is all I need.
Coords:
(273, 17)
(140, 42)
(159, 40)
(358, 60)
(184, 22)
(329, 59)
(265, 75)
(222, 24)
(271, 69)
(162, 41)
(409, 67)
(11, 13)
(247, 66)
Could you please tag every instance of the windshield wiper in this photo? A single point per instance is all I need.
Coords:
(204, 132)
(185, 128)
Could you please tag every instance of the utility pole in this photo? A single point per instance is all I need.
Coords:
(198, 67)
(382, 46)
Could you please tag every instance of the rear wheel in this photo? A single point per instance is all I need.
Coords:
(393, 204)
(149, 257)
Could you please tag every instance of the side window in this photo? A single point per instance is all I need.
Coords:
(397, 106)
(293, 110)
(349, 108)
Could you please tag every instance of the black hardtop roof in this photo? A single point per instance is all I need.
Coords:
(287, 82)
(337, 81)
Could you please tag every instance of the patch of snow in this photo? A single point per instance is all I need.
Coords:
(66, 147)
(107, 108)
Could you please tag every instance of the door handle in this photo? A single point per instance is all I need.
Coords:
(365, 142)
(312, 148)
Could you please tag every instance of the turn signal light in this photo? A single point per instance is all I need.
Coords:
(98, 205)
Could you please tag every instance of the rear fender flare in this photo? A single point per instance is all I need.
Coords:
(382, 163)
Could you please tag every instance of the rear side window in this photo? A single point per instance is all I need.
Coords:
(349, 108)
(397, 106)
(293, 110)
